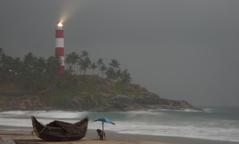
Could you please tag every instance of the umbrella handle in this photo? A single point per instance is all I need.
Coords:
(103, 130)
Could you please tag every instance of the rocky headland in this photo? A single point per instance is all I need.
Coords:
(31, 83)
(90, 93)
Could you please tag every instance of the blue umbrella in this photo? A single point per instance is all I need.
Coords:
(105, 120)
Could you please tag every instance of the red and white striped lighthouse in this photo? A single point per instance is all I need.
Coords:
(59, 51)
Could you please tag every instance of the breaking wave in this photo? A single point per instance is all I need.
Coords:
(191, 124)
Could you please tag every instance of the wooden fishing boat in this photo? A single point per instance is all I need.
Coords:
(59, 130)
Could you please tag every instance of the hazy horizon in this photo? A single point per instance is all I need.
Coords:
(179, 49)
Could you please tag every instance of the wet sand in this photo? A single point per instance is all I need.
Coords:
(26, 137)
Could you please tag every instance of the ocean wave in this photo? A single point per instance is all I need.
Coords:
(57, 114)
(143, 128)
(13, 122)
(223, 134)
(208, 110)
(180, 110)
(148, 112)
(158, 123)
(161, 111)
(13, 113)
(61, 114)
(25, 122)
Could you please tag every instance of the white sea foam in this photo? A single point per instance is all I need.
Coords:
(13, 122)
(139, 122)
(177, 131)
(45, 114)
(181, 110)
(149, 112)
(13, 113)
(22, 118)
(61, 114)
(190, 110)
(208, 110)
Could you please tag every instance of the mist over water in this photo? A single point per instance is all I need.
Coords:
(212, 124)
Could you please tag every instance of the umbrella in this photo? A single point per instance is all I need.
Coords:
(105, 120)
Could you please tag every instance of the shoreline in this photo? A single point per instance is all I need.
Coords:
(24, 136)
(164, 139)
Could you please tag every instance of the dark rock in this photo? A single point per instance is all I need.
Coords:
(149, 99)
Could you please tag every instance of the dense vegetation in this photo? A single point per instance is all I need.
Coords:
(37, 73)
(33, 83)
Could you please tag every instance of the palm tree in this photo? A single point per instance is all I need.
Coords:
(72, 59)
(84, 53)
(110, 73)
(1, 57)
(29, 71)
(99, 62)
(114, 63)
(52, 65)
(93, 67)
(103, 69)
(113, 71)
(1, 52)
(8, 67)
(125, 77)
(80, 63)
(40, 65)
(85, 64)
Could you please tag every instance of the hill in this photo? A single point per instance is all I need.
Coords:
(89, 92)
(33, 83)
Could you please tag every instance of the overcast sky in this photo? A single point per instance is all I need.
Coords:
(180, 49)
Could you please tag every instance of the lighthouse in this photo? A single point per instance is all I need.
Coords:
(59, 50)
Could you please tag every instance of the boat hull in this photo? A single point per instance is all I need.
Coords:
(60, 131)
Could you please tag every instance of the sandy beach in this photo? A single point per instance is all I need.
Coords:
(25, 137)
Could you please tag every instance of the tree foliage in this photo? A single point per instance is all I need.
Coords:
(87, 66)
(31, 72)
(38, 73)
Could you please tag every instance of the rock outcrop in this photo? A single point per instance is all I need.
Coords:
(89, 93)
(102, 103)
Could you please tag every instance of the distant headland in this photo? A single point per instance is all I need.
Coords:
(32, 83)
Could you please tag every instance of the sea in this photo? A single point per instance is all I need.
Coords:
(221, 124)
